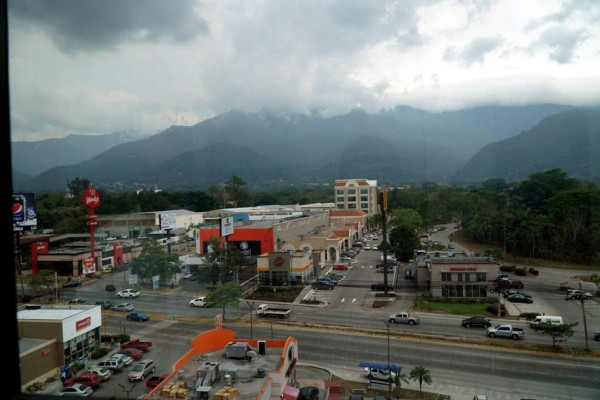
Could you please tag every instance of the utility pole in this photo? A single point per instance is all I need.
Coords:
(387, 324)
(585, 330)
(383, 207)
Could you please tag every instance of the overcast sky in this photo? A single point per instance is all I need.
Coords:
(104, 66)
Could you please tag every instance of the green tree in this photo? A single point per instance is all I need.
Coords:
(595, 278)
(421, 374)
(398, 379)
(406, 217)
(555, 331)
(44, 280)
(77, 186)
(228, 294)
(154, 260)
(404, 241)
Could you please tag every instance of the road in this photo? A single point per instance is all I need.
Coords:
(455, 369)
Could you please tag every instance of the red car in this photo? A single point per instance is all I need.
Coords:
(133, 353)
(91, 380)
(155, 380)
(340, 267)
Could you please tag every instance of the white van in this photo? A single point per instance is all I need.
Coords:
(554, 320)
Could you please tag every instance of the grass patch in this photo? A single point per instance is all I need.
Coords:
(454, 308)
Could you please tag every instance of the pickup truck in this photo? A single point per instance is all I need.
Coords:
(403, 318)
(506, 330)
(137, 344)
(265, 310)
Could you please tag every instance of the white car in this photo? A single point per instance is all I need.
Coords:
(128, 294)
(199, 302)
(127, 361)
(103, 373)
(186, 275)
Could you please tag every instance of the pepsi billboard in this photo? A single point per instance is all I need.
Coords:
(24, 212)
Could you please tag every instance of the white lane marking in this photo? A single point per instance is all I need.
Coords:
(354, 299)
(344, 299)
(308, 294)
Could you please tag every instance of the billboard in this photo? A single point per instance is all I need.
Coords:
(168, 221)
(24, 212)
(226, 226)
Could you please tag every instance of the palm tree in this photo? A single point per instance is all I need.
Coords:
(398, 379)
(421, 374)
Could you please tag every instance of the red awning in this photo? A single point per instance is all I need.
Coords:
(290, 393)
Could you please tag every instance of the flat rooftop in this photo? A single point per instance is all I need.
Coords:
(249, 382)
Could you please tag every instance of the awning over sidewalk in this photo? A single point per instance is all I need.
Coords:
(290, 393)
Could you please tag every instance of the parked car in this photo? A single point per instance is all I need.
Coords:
(127, 361)
(476, 321)
(110, 288)
(186, 275)
(520, 298)
(141, 370)
(76, 301)
(575, 294)
(103, 373)
(76, 390)
(71, 284)
(155, 380)
(137, 316)
(114, 364)
(309, 393)
(133, 353)
(340, 267)
(91, 380)
(128, 294)
(322, 285)
(508, 292)
(123, 307)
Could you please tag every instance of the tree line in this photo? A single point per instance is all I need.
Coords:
(549, 215)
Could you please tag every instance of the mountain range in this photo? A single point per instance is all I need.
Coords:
(395, 146)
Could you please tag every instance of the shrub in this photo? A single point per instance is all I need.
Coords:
(26, 298)
(494, 310)
(122, 338)
(529, 316)
(507, 268)
(533, 271)
(521, 271)
(98, 353)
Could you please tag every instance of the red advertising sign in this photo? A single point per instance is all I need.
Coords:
(84, 323)
(91, 198)
(279, 261)
(88, 262)
(41, 247)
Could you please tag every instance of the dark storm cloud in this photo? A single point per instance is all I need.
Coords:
(474, 51)
(88, 25)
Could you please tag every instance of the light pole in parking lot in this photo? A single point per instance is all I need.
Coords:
(127, 390)
(587, 347)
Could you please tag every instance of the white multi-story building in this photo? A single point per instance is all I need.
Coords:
(356, 194)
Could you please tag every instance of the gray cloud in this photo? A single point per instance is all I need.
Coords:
(566, 11)
(474, 51)
(562, 43)
(89, 25)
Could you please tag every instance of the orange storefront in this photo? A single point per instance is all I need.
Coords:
(249, 241)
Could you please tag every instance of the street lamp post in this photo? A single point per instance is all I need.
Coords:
(387, 324)
(251, 304)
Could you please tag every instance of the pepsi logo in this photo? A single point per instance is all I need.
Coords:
(18, 210)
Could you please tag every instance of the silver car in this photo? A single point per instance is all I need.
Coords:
(123, 307)
(76, 390)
